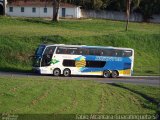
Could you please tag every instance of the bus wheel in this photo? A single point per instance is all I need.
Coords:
(66, 72)
(56, 72)
(106, 74)
(114, 74)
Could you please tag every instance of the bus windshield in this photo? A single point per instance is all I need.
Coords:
(40, 50)
(43, 55)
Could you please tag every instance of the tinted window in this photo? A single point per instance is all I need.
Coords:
(60, 50)
(118, 53)
(47, 56)
(91, 64)
(49, 50)
(95, 64)
(89, 51)
(108, 52)
(67, 50)
(83, 51)
(98, 52)
(39, 50)
(71, 51)
(69, 63)
(127, 53)
(80, 51)
(94, 51)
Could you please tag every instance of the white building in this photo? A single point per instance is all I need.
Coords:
(41, 9)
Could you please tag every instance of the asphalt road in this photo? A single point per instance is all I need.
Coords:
(143, 80)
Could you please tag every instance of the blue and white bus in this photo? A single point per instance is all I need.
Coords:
(60, 59)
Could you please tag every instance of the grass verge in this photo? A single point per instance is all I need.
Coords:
(38, 95)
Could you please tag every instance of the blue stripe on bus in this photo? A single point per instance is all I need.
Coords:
(112, 63)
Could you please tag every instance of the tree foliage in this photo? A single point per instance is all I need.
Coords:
(148, 8)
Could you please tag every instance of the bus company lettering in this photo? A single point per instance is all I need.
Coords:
(101, 58)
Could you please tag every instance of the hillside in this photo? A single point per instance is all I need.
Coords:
(19, 38)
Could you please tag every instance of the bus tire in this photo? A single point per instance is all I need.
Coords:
(106, 74)
(66, 72)
(56, 72)
(114, 74)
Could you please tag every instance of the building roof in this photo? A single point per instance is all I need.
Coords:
(39, 4)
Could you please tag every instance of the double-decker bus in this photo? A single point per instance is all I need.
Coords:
(60, 59)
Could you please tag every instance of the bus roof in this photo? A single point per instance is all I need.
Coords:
(85, 46)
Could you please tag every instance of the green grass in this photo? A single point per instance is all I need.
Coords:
(41, 95)
(19, 38)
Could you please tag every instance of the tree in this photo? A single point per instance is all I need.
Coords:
(106, 3)
(128, 4)
(96, 4)
(135, 4)
(148, 8)
(56, 6)
(4, 7)
(128, 9)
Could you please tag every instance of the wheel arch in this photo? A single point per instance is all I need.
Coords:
(57, 68)
(67, 69)
(115, 71)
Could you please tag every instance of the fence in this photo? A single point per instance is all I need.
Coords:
(113, 15)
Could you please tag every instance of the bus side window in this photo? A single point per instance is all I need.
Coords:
(118, 53)
(109, 52)
(113, 53)
(83, 51)
(98, 52)
(91, 51)
(127, 53)
(58, 51)
(72, 51)
(49, 50)
(106, 52)
(78, 51)
(86, 51)
(94, 51)
(64, 51)
(67, 51)
(61, 51)
(101, 53)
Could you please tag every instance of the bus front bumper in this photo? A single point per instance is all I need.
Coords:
(36, 70)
